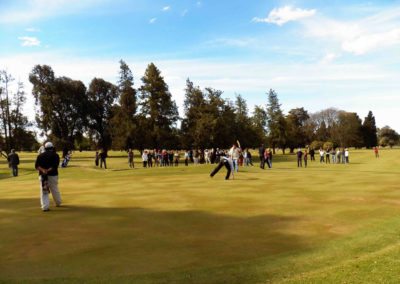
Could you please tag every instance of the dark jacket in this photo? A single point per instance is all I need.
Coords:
(13, 159)
(48, 159)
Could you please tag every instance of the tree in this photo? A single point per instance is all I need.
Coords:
(296, 131)
(259, 121)
(158, 108)
(63, 106)
(388, 137)
(124, 121)
(195, 112)
(350, 133)
(276, 122)
(14, 124)
(369, 131)
(5, 108)
(246, 132)
(102, 95)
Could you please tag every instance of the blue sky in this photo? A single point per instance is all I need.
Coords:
(315, 54)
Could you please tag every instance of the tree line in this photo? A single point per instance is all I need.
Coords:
(119, 116)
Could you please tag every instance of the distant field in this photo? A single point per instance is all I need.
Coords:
(323, 224)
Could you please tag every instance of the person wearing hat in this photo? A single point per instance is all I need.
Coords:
(13, 162)
(47, 165)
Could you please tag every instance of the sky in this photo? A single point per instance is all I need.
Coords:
(314, 54)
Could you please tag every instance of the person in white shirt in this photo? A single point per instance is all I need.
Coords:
(321, 155)
(234, 153)
(207, 156)
(346, 155)
(145, 159)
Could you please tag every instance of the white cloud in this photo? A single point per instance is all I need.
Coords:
(366, 42)
(199, 3)
(32, 30)
(184, 12)
(152, 20)
(29, 41)
(281, 16)
(329, 57)
(166, 8)
(361, 36)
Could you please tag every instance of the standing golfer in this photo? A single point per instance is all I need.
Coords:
(130, 159)
(13, 162)
(227, 162)
(47, 165)
(299, 158)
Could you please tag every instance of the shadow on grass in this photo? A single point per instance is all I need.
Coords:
(111, 242)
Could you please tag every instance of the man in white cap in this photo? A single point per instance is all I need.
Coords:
(47, 165)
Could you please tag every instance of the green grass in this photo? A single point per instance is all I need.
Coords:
(323, 224)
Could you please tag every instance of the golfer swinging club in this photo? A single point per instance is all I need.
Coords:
(228, 163)
(47, 165)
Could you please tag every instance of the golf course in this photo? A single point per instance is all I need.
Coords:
(328, 223)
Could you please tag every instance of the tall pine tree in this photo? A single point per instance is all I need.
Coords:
(369, 131)
(124, 120)
(276, 122)
(158, 108)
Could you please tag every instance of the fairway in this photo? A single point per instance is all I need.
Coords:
(324, 224)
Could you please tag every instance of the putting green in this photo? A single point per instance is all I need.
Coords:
(326, 223)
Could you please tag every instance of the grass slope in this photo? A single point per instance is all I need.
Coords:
(323, 224)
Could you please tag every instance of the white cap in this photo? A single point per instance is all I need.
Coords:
(48, 145)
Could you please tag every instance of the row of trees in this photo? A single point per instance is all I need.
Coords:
(14, 125)
(120, 116)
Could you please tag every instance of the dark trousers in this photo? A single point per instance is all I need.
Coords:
(14, 171)
(328, 160)
(262, 162)
(131, 164)
(220, 165)
(144, 164)
(305, 163)
(103, 161)
(312, 157)
(269, 162)
(186, 162)
(299, 163)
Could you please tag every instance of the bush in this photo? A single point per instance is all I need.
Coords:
(328, 145)
(316, 145)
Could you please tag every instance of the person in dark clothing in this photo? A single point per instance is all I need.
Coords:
(13, 162)
(299, 158)
(96, 159)
(150, 157)
(327, 155)
(228, 163)
(103, 157)
(312, 155)
(171, 158)
(261, 154)
(130, 159)
(47, 165)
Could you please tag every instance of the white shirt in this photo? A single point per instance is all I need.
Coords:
(234, 153)
(145, 157)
